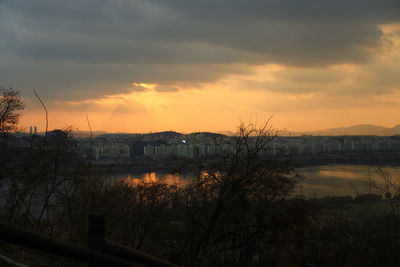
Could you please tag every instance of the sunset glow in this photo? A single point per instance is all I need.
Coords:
(200, 133)
(311, 77)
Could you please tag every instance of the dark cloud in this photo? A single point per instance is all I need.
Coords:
(71, 80)
(315, 32)
(126, 106)
(289, 10)
(377, 78)
(100, 47)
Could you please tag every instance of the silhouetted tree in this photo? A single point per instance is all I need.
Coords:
(235, 205)
(10, 106)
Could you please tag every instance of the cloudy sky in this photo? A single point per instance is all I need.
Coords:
(152, 65)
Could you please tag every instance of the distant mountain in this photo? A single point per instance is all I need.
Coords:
(85, 134)
(227, 133)
(207, 134)
(361, 129)
(163, 135)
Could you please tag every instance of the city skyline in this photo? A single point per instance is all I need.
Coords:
(140, 66)
(353, 130)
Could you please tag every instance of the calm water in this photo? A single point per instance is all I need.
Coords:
(338, 180)
(319, 181)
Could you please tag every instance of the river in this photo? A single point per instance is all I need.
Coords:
(319, 181)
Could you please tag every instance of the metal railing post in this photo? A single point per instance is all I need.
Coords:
(96, 233)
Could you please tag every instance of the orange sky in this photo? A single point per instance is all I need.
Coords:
(292, 95)
(150, 65)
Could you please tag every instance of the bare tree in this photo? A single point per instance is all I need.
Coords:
(234, 205)
(10, 106)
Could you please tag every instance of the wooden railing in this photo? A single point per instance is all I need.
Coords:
(98, 253)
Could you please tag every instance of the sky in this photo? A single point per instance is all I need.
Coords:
(156, 65)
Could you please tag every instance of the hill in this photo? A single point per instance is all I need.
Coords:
(361, 129)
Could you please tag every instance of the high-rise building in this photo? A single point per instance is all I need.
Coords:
(35, 130)
(30, 130)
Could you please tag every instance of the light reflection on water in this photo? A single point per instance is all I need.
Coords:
(152, 177)
(341, 179)
(341, 174)
(333, 180)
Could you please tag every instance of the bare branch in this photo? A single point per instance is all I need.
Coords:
(91, 138)
(45, 109)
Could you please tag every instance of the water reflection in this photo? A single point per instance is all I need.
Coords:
(342, 174)
(153, 177)
(333, 180)
(340, 180)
